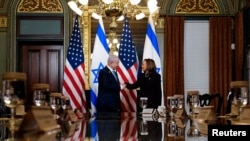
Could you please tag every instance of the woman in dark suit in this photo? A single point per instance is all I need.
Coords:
(109, 87)
(149, 82)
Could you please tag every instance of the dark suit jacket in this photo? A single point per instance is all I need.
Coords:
(109, 130)
(108, 92)
(150, 87)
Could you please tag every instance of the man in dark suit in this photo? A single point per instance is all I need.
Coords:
(109, 87)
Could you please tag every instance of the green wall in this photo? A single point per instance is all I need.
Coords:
(3, 39)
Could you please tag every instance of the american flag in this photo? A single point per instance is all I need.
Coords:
(151, 49)
(129, 127)
(128, 68)
(99, 61)
(74, 75)
(79, 129)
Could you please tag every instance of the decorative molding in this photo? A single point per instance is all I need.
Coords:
(197, 7)
(3, 21)
(40, 6)
(202, 7)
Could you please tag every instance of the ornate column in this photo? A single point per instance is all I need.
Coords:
(86, 25)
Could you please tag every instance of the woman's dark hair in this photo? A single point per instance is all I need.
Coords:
(151, 67)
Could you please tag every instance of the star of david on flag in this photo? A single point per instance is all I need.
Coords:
(99, 60)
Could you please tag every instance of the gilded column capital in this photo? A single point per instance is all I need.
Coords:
(3, 21)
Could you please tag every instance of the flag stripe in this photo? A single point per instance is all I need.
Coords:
(99, 59)
(74, 75)
(125, 73)
(80, 133)
(128, 100)
(153, 38)
(151, 50)
(129, 129)
(93, 130)
(128, 96)
(73, 92)
(127, 70)
(102, 37)
(131, 72)
(93, 100)
(68, 92)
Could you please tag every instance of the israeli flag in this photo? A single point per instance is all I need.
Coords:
(99, 60)
(151, 49)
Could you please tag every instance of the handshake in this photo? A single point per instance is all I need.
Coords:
(123, 86)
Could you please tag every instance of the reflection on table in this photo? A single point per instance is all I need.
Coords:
(121, 128)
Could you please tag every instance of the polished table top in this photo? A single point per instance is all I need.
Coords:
(127, 126)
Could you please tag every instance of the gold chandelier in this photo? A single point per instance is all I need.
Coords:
(113, 42)
(115, 8)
